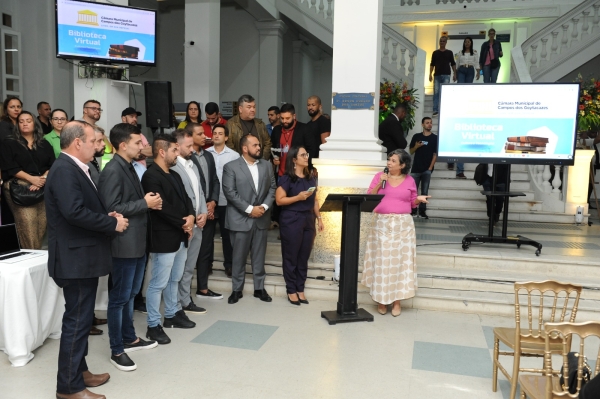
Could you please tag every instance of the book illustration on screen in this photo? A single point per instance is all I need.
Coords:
(123, 51)
(526, 145)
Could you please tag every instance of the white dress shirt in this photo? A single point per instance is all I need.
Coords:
(254, 172)
(221, 159)
(467, 59)
(188, 166)
(84, 167)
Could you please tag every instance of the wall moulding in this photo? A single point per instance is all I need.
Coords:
(400, 15)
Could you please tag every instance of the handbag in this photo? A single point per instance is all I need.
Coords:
(495, 63)
(21, 194)
(573, 363)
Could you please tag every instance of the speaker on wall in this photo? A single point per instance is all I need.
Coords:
(159, 104)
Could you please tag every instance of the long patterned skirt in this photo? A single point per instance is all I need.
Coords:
(390, 269)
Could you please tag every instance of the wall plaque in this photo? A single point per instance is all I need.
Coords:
(353, 101)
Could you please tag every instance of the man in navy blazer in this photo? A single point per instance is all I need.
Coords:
(79, 231)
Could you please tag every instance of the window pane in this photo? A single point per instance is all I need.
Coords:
(11, 47)
(12, 84)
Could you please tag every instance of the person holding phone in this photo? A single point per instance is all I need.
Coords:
(296, 195)
(424, 146)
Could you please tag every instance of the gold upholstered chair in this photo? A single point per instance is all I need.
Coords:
(548, 386)
(546, 301)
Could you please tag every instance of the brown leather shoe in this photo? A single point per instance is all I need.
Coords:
(94, 380)
(99, 322)
(96, 331)
(85, 394)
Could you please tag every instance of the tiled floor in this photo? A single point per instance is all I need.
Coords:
(276, 350)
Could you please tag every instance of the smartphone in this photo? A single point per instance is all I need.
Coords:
(310, 190)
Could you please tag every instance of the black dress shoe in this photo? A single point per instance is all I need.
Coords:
(297, 303)
(304, 301)
(180, 320)
(99, 322)
(158, 334)
(228, 272)
(234, 297)
(95, 331)
(262, 295)
(123, 362)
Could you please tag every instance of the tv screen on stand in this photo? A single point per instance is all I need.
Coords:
(524, 123)
(105, 33)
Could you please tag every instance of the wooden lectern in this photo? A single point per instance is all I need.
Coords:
(351, 205)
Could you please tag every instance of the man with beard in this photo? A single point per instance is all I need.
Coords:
(245, 123)
(291, 133)
(130, 116)
(122, 192)
(99, 148)
(319, 123)
(190, 175)
(171, 229)
(213, 117)
(249, 187)
(273, 115)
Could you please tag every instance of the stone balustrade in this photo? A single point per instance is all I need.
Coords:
(323, 8)
(398, 55)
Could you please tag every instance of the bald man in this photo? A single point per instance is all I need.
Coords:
(320, 124)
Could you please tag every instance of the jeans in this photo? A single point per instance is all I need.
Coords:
(437, 81)
(460, 168)
(127, 276)
(422, 178)
(465, 75)
(80, 299)
(490, 75)
(167, 270)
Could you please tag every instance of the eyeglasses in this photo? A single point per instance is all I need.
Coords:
(95, 109)
(305, 155)
(59, 119)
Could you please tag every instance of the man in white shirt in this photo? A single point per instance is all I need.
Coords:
(249, 187)
(191, 181)
(222, 155)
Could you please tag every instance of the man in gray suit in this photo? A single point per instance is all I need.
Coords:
(190, 175)
(122, 192)
(249, 186)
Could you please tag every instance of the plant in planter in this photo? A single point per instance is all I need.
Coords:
(394, 93)
(589, 105)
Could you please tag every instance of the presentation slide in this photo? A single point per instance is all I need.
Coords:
(104, 31)
(519, 123)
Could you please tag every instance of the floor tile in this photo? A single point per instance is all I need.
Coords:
(452, 359)
(234, 334)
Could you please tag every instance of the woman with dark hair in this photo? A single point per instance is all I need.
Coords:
(390, 269)
(296, 195)
(11, 108)
(26, 159)
(58, 120)
(467, 61)
(192, 114)
(489, 59)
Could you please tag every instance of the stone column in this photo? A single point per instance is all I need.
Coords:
(352, 156)
(203, 27)
(270, 82)
(297, 74)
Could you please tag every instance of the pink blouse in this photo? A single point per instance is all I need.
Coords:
(397, 200)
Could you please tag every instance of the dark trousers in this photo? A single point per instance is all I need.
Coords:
(297, 230)
(423, 179)
(499, 201)
(226, 240)
(127, 275)
(206, 256)
(80, 298)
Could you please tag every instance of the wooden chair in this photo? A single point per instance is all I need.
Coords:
(548, 386)
(529, 341)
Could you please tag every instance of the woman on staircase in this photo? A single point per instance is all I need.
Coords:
(390, 269)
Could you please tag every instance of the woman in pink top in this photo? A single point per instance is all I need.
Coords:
(390, 269)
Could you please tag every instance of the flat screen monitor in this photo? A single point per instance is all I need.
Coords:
(525, 123)
(105, 33)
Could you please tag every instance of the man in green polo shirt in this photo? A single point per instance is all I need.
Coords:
(58, 119)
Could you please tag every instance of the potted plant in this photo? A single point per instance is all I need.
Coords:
(394, 93)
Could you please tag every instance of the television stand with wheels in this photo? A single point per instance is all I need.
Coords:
(504, 238)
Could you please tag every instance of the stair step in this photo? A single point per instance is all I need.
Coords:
(471, 194)
(479, 204)
(515, 216)
(451, 174)
(467, 184)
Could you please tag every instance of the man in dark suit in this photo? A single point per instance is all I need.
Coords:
(171, 229)
(390, 130)
(249, 186)
(79, 231)
(211, 187)
(122, 192)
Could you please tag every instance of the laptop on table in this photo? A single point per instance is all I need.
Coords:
(10, 248)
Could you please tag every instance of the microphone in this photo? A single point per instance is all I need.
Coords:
(386, 171)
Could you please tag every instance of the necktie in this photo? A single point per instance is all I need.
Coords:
(96, 165)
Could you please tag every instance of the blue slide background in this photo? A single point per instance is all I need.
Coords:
(67, 44)
(451, 140)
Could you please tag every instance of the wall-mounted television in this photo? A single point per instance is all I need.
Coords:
(105, 33)
(512, 123)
